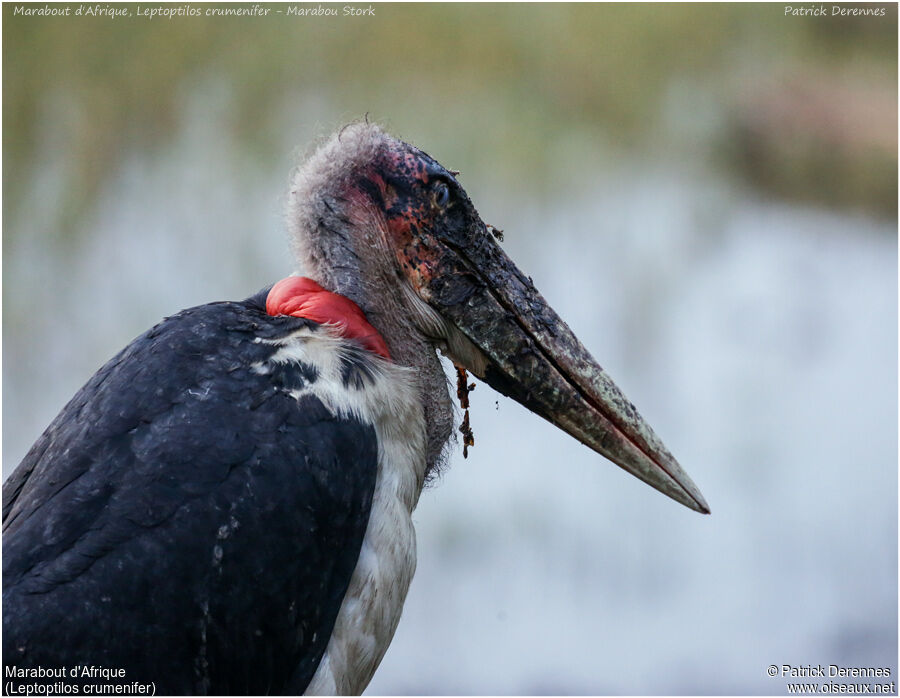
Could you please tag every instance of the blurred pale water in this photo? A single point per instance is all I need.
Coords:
(759, 340)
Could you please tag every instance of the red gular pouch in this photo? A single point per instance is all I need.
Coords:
(302, 297)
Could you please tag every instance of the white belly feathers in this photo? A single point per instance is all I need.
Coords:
(388, 400)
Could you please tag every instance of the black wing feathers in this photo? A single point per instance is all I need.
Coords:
(187, 519)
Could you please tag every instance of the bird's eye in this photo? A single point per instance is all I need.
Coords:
(441, 193)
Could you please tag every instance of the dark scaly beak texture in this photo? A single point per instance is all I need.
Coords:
(534, 358)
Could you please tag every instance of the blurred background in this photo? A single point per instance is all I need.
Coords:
(706, 193)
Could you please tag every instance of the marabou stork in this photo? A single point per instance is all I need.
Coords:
(225, 507)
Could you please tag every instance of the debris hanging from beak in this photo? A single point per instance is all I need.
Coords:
(463, 388)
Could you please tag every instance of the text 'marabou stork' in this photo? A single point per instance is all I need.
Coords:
(225, 507)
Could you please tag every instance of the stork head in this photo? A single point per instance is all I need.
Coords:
(376, 217)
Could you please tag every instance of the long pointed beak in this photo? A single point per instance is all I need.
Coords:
(534, 358)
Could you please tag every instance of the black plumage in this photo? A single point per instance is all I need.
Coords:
(187, 519)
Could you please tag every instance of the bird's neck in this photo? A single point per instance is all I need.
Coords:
(344, 260)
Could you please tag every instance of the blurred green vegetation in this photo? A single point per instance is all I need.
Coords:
(507, 83)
